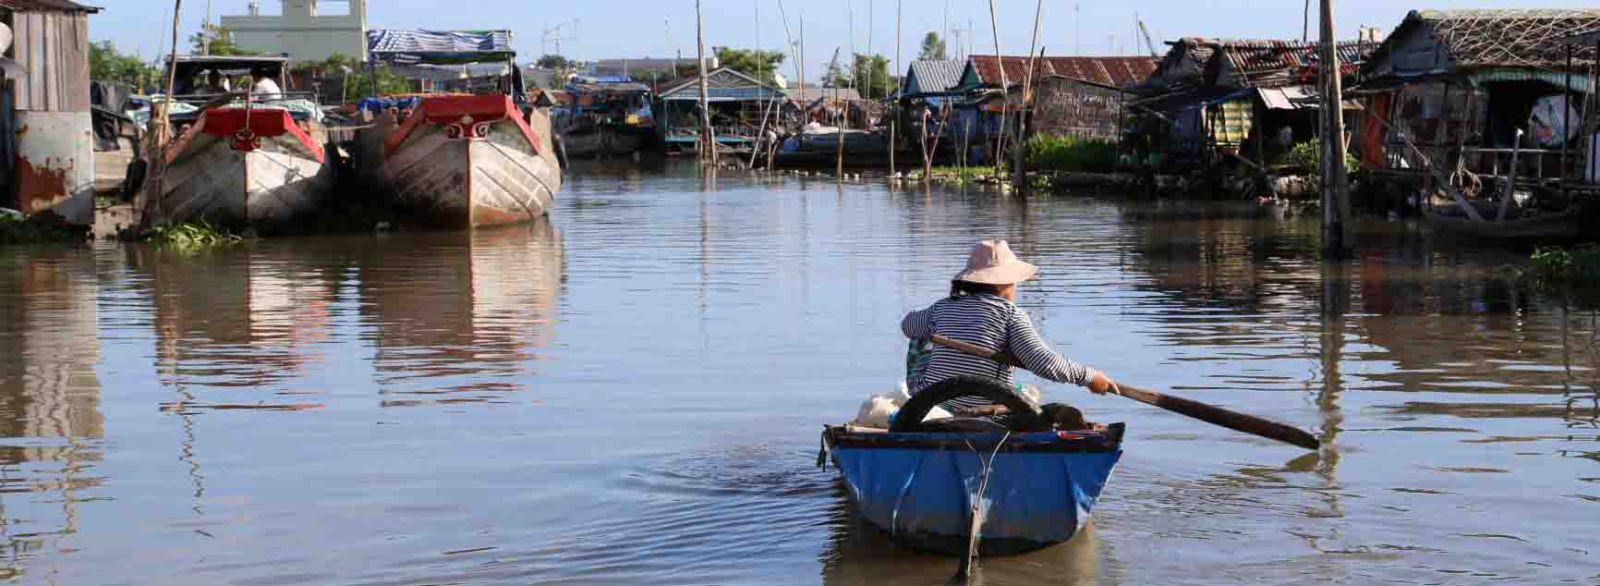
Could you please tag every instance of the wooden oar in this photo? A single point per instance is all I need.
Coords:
(1205, 412)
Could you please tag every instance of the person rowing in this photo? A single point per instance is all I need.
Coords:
(981, 310)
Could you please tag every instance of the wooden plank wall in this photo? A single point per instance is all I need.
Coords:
(54, 47)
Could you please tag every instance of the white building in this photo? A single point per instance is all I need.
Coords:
(301, 31)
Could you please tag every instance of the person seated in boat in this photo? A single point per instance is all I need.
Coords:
(982, 310)
(214, 84)
(264, 88)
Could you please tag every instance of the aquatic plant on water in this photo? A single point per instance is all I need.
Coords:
(1048, 152)
(195, 235)
(1566, 266)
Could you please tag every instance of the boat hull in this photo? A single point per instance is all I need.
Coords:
(464, 165)
(1563, 225)
(918, 487)
(603, 142)
(263, 180)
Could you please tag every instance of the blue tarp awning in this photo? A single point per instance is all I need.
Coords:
(438, 47)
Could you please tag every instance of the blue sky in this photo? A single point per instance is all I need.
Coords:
(635, 28)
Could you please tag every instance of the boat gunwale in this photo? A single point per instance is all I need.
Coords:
(1069, 442)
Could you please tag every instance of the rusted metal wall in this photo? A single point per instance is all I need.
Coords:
(54, 170)
(1066, 107)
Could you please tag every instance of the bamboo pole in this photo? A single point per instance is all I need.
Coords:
(161, 131)
(894, 116)
(708, 136)
(1000, 60)
(1019, 174)
(1336, 187)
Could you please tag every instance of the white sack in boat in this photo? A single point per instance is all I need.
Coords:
(878, 409)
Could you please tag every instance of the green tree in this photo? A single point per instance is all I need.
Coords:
(106, 63)
(932, 47)
(221, 42)
(871, 73)
(752, 62)
(552, 62)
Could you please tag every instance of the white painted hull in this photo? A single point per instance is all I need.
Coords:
(270, 185)
(492, 180)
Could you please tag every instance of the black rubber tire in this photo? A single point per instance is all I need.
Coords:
(1025, 416)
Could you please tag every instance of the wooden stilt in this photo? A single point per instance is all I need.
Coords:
(1335, 185)
(708, 135)
(1018, 160)
(1000, 139)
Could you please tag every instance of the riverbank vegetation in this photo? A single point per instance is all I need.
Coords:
(1047, 152)
(18, 229)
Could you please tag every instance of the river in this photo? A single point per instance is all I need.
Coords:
(632, 393)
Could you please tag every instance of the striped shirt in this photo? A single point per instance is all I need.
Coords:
(991, 322)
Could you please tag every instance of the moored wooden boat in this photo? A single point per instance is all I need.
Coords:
(242, 166)
(918, 486)
(1543, 225)
(465, 160)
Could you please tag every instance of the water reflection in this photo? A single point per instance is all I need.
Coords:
(458, 317)
(858, 553)
(240, 320)
(50, 420)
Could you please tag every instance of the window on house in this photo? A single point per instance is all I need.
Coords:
(331, 8)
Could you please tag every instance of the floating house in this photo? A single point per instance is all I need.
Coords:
(737, 102)
(824, 105)
(1081, 95)
(608, 116)
(46, 137)
(1475, 90)
(1208, 97)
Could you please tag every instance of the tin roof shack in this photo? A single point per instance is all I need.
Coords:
(1472, 98)
(738, 104)
(1063, 106)
(46, 136)
(1215, 99)
(823, 105)
(1084, 94)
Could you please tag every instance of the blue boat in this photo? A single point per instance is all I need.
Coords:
(918, 480)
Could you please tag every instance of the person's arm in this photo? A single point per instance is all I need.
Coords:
(916, 325)
(1024, 343)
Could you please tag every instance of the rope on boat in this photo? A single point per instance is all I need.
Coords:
(969, 563)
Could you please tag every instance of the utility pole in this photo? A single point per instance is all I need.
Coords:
(1335, 185)
(708, 136)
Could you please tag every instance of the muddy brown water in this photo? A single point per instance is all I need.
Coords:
(633, 393)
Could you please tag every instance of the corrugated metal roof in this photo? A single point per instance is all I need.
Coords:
(42, 5)
(813, 93)
(1121, 71)
(721, 85)
(932, 77)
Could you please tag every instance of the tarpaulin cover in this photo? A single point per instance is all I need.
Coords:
(409, 47)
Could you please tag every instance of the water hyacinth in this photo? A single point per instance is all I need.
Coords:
(189, 236)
